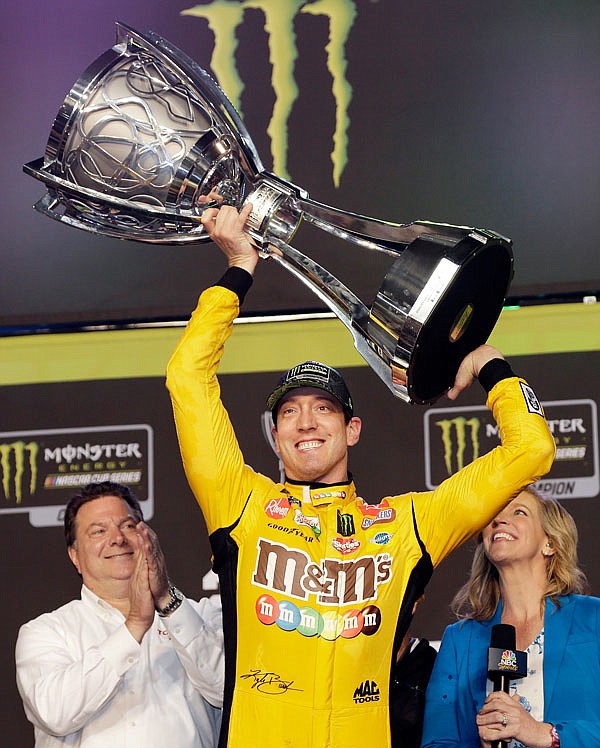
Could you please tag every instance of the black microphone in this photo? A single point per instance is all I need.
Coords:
(505, 663)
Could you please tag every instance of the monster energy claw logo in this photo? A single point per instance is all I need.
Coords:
(224, 17)
(345, 524)
(461, 428)
(15, 458)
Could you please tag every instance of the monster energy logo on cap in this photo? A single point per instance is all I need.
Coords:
(312, 374)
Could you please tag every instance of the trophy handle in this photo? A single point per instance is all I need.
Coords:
(372, 233)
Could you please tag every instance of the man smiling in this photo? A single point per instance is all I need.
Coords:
(315, 425)
(319, 586)
(133, 662)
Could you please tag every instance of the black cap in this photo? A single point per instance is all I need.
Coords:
(312, 374)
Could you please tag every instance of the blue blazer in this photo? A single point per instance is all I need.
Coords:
(456, 690)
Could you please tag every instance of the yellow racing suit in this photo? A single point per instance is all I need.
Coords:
(318, 586)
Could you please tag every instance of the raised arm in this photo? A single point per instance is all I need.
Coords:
(467, 500)
(210, 451)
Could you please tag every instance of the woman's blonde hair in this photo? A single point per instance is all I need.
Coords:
(479, 597)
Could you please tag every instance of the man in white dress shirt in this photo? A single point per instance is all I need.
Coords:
(133, 662)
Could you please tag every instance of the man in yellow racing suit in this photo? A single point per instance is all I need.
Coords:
(318, 587)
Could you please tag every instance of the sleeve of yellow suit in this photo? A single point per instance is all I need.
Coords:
(212, 458)
(466, 501)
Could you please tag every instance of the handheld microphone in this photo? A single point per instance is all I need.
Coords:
(505, 663)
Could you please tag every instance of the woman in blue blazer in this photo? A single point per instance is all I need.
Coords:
(524, 573)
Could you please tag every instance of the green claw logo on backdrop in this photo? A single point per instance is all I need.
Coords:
(17, 460)
(455, 433)
(225, 16)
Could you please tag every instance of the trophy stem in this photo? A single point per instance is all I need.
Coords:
(347, 307)
(338, 297)
(372, 233)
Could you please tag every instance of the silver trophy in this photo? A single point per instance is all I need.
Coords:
(145, 137)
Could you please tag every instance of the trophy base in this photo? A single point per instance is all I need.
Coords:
(435, 306)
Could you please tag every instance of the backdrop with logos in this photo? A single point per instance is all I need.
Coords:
(467, 113)
(91, 406)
